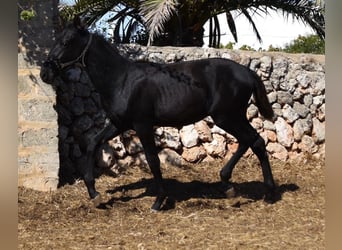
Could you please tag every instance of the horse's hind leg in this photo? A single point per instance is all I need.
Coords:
(245, 134)
(247, 137)
(146, 135)
(259, 149)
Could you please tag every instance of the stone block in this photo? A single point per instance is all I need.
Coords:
(36, 110)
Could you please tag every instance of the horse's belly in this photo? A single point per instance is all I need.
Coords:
(180, 110)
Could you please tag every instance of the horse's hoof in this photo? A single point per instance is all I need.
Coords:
(97, 200)
(158, 203)
(230, 192)
(272, 197)
(154, 210)
(228, 188)
(156, 207)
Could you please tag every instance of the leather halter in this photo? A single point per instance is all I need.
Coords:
(80, 58)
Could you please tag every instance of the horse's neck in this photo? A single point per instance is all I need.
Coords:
(105, 65)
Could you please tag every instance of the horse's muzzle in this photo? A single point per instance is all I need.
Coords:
(49, 71)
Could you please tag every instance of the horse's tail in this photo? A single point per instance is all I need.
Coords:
(261, 99)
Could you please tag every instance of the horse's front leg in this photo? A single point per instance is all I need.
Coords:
(107, 133)
(146, 135)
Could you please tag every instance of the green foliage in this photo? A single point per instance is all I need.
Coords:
(306, 44)
(27, 15)
(229, 45)
(271, 48)
(246, 47)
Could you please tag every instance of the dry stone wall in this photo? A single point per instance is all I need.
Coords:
(295, 85)
(38, 156)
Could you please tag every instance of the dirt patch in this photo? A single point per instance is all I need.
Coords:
(198, 214)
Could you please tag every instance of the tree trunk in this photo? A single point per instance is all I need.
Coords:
(182, 31)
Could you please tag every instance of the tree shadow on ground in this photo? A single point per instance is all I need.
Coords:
(182, 191)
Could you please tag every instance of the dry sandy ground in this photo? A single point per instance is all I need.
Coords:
(197, 216)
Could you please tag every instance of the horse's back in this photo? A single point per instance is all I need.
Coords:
(228, 85)
(181, 93)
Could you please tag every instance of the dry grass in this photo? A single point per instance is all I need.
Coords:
(199, 217)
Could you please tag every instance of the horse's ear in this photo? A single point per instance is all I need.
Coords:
(59, 24)
(79, 23)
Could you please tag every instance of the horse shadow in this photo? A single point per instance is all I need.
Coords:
(182, 191)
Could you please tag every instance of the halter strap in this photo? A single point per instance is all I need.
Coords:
(80, 57)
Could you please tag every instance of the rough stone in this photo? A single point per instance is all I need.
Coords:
(169, 156)
(82, 124)
(76, 151)
(277, 151)
(82, 90)
(168, 137)
(217, 130)
(271, 135)
(318, 100)
(304, 80)
(77, 106)
(308, 145)
(204, 132)
(277, 109)
(37, 137)
(217, 147)
(252, 111)
(321, 113)
(105, 157)
(272, 97)
(265, 66)
(298, 130)
(268, 125)
(36, 110)
(289, 113)
(257, 123)
(118, 146)
(189, 136)
(194, 154)
(269, 87)
(133, 145)
(284, 97)
(308, 100)
(73, 74)
(297, 94)
(301, 109)
(284, 132)
(318, 130)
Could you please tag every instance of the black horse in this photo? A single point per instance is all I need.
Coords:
(141, 95)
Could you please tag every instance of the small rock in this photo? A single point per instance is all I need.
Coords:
(289, 113)
(204, 132)
(189, 136)
(284, 132)
(217, 147)
(318, 130)
(277, 151)
(194, 154)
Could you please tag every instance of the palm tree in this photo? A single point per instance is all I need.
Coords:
(180, 22)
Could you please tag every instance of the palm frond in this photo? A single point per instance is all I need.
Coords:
(250, 19)
(91, 10)
(303, 10)
(231, 25)
(156, 13)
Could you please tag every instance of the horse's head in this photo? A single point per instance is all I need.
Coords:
(69, 49)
